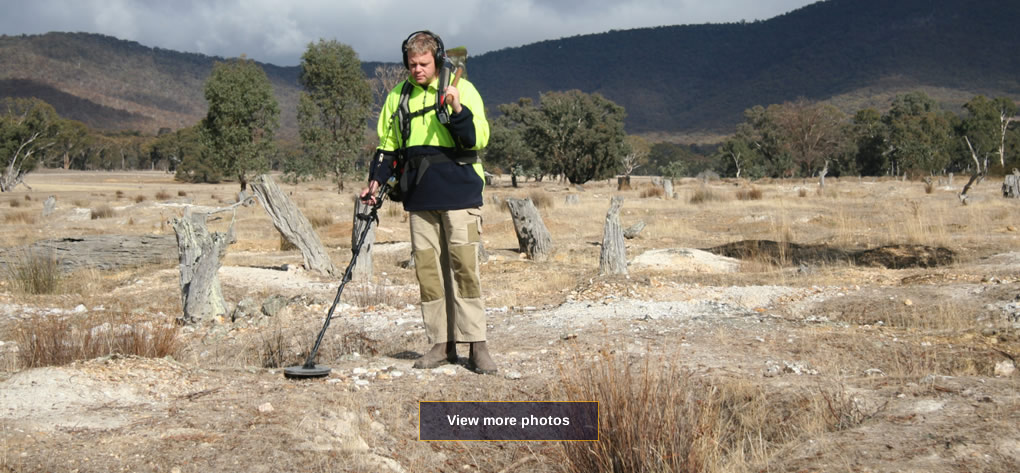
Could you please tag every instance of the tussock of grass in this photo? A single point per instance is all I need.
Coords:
(139, 199)
(15, 203)
(752, 193)
(55, 340)
(103, 211)
(704, 194)
(162, 195)
(31, 273)
(652, 192)
(541, 200)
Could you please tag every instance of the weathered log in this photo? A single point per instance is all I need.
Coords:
(293, 225)
(103, 252)
(613, 258)
(200, 252)
(363, 266)
(532, 235)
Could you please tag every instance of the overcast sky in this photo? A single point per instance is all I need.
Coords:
(278, 32)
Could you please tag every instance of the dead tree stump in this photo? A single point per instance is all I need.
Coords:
(292, 224)
(200, 252)
(532, 235)
(49, 206)
(1011, 185)
(613, 258)
(667, 186)
(363, 266)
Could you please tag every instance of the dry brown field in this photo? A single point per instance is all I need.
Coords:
(870, 325)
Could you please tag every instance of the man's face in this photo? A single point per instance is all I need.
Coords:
(422, 67)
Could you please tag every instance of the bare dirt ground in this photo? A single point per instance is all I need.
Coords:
(915, 342)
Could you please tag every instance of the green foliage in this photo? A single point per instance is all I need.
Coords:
(188, 156)
(242, 119)
(793, 138)
(869, 137)
(986, 127)
(28, 130)
(738, 157)
(507, 148)
(920, 134)
(332, 111)
(674, 170)
(578, 135)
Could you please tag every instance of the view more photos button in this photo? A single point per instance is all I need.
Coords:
(495, 421)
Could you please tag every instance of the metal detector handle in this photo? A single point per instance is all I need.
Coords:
(373, 215)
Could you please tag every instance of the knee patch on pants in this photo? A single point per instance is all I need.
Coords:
(426, 267)
(464, 262)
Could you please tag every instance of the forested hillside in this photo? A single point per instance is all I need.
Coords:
(670, 79)
(855, 53)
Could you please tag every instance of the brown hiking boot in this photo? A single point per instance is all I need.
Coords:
(439, 355)
(480, 362)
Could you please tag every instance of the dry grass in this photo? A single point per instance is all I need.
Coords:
(162, 195)
(541, 199)
(705, 194)
(752, 193)
(139, 199)
(320, 220)
(103, 211)
(54, 340)
(31, 273)
(665, 419)
(14, 203)
(26, 218)
(652, 192)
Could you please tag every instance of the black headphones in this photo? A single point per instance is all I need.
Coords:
(440, 55)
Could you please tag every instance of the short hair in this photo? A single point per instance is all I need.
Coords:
(422, 42)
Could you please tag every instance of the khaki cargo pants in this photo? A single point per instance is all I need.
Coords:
(445, 246)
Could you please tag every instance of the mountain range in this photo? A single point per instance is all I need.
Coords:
(672, 80)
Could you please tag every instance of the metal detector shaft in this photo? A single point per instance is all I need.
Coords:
(372, 216)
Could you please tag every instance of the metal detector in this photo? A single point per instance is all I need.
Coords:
(310, 369)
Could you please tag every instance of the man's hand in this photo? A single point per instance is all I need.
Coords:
(368, 193)
(453, 98)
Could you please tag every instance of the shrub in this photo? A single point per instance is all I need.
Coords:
(119, 194)
(15, 203)
(182, 194)
(162, 195)
(139, 199)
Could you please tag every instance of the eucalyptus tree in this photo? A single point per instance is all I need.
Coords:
(242, 119)
(332, 111)
(577, 135)
(29, 128)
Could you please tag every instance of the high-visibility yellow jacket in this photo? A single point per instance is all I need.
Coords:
(441, 166)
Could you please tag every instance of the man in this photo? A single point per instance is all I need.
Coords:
(441, 187)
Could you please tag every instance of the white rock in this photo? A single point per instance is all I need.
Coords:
(1005, 369)
(359, 371)
(266, 408)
